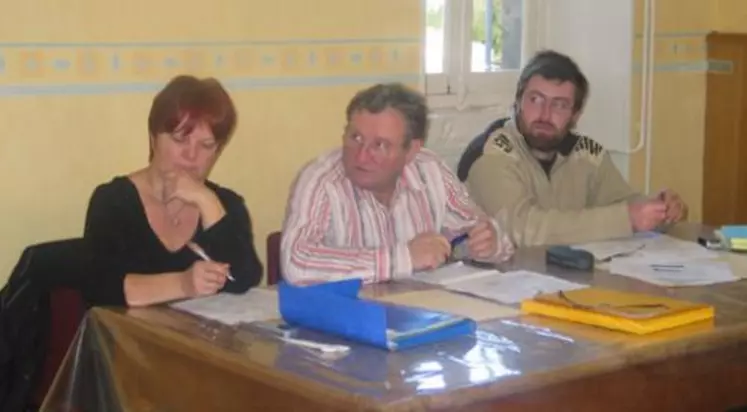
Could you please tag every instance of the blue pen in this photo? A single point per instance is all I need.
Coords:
(455, 242)
(459, 239)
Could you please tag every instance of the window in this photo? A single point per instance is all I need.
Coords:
(475, 48)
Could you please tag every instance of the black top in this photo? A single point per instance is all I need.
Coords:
(547, 165)
(122, 241)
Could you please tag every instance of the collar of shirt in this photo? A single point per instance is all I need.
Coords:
(410, 178)
(564, 149)
(408, 181)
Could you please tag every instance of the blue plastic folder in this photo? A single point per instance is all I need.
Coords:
(334, 308)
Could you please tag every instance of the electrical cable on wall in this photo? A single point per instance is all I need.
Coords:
(647, 88)
(649, 37)
(646, 81)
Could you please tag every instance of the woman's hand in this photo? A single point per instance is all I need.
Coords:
(181, 186)
(204, 278)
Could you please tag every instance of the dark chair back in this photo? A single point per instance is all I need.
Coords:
(474, 149)
(40, 310)
(274, 271)
(66, 312)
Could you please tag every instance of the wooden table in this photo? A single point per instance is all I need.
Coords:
(158, 359)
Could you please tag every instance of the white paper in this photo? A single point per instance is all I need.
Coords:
(230, 309)
(453, 272)
(684, 273)
(653, 248)
(513, 287)
(610, 248)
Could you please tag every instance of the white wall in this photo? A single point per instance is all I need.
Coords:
(598, 35)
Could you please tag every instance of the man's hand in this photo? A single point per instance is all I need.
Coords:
(676, 208)
(482, 243)
(647, 215)
(428, 251)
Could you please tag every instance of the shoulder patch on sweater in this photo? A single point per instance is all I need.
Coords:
(588, 146)
(500, 142)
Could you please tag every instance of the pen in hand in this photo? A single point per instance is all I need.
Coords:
(204, 256)
(456, 241)
(459, 239)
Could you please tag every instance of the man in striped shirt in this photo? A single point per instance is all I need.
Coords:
(382, 206)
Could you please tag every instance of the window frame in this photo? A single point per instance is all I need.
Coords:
(458, 87)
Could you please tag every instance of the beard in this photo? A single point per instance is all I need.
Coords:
(547, 139)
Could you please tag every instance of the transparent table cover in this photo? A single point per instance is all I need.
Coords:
(161, 359)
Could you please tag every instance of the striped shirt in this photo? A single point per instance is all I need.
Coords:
(335, 230)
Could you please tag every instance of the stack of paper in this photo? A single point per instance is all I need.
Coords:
(659, 248)
(662, 260)
(685, 273)
(613, 248)
(453, 272)
(229, 309)
(513, 287)
(508, 287)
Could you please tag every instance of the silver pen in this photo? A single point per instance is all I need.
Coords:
(201, 253)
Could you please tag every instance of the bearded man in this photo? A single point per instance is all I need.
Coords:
(548, 185)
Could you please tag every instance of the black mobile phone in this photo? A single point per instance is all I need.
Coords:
(711, 242)
(568, 257)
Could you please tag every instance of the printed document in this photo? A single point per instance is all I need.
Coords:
(684, 273)
(509, 287)
(256, 304)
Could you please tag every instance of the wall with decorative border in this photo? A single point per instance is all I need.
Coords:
(77, 80)
(99, 68)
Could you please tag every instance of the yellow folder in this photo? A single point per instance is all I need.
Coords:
(738, 244)
(628, 312)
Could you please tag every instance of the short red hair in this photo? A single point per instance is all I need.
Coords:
(187, 101)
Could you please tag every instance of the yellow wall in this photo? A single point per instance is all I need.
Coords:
(729, 16)
(678, 100)
(76, 82)
(679, 92)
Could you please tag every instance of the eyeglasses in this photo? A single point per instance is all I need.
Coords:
(634, 311)
(556, 105)
(377, 148)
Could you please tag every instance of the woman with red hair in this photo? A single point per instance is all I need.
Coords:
(165, 232)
